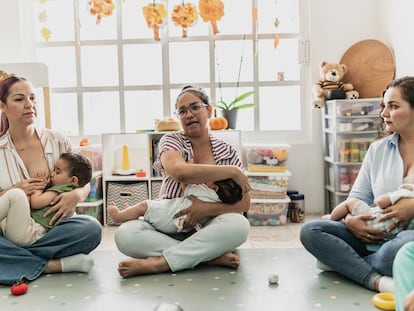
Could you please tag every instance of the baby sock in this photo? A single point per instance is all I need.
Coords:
(386, 284)
(77, 263)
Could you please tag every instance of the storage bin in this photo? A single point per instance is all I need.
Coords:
(268, 185)
(267, 158)
(125, 193)
(91, 210)
(268, 212)
(95, 193)
(93, 153)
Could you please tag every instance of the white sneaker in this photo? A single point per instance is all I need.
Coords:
(323, 267)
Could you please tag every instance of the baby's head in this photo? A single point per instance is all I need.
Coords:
(72, 165)
(228, 191)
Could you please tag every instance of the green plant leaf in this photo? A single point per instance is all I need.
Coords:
(235, 104)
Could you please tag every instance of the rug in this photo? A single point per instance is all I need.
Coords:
(301, 286)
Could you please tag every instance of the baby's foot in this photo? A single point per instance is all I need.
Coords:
(113, 211)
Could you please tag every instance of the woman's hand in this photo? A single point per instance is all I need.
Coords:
(196, 212)
(64, 205)
(242, 180)
(29, 186)
(358, 227)
(409, 302)
(402, 211)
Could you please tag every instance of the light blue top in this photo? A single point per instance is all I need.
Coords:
(381, 171)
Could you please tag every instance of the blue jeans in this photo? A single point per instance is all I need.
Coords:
(74, 235)
(335, 246)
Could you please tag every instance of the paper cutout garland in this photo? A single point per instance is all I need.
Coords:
(155, 15)
(211, 11)
(184, 15)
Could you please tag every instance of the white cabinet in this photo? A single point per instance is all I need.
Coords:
(142, 152)
(349, 127)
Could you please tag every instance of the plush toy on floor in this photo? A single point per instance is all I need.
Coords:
(331, 86)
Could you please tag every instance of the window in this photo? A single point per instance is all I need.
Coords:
(117, 71)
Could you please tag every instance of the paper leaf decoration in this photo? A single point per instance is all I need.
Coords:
(46, 33)
(211, 11)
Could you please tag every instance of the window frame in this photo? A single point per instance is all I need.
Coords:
(302, 135)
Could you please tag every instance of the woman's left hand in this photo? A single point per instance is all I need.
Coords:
(64, 205)
(402, 210)
(195, 212)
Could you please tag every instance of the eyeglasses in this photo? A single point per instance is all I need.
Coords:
(194, 109)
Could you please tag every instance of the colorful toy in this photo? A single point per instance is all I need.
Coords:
(18, 289)
(384, 301)
(331, 75)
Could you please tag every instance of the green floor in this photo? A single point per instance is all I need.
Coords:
(301, 287)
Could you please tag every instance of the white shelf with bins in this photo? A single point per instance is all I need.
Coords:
(142, 151)
(349, 127)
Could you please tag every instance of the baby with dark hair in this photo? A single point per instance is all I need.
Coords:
(24, 222)
(160, 213)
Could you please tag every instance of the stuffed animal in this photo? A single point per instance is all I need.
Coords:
(331, 80)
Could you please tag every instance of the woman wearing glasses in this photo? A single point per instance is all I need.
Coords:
(191, 156)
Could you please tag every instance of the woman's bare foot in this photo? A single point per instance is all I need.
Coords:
(227, 260)
(135, 266)
(53, 266)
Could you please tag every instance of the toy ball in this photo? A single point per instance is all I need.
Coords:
(273, 278)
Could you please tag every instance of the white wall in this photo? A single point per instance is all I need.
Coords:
(396, 23)
(334, 25)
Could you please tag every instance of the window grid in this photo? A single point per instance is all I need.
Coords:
(166, 85)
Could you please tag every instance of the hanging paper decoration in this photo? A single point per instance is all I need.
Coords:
(184, 15)
(255, 15)
(45, 32)
(211, 11)
(276, 38)
(155, 15)
(101, 8)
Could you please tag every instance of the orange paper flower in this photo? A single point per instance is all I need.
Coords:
(101, 8)
(155, 14)
(185, 15)
(211, 11)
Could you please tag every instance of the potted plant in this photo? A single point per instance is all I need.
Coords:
(229, 109)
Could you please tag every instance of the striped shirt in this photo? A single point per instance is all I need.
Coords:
(12, 168)
(223, 154)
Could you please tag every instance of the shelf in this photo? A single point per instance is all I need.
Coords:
(330, 160)
(142, 152)
(90, 204)
(349, 127)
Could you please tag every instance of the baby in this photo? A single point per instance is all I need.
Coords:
(22, 221)
(160, 213)
(358, 207)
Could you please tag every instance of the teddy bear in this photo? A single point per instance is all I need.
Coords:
(331, 81)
